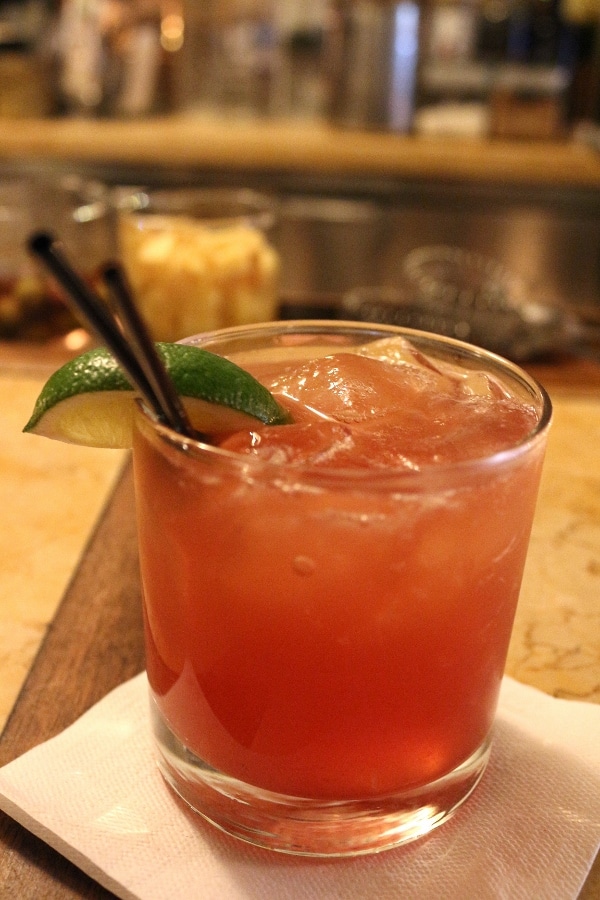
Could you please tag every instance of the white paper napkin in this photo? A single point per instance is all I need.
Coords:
(530, 830)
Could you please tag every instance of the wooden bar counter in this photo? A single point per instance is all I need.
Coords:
(277, 146)
(69, 589)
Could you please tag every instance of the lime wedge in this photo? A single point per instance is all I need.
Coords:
(89, 400)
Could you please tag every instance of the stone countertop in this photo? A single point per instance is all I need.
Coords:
(217, 143)
(51, 495)
(556, 637)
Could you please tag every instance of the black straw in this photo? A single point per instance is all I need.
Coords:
(136, 332)
(101, 321)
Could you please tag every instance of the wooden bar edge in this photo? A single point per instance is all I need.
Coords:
(93, 645)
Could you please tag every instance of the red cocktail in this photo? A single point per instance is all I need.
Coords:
(328, 604)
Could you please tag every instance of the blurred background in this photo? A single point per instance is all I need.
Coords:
(500, 67)
(464, 127)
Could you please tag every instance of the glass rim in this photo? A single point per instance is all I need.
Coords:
(437, 472)
(244, 204)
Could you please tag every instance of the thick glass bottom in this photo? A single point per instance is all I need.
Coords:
(311, 827)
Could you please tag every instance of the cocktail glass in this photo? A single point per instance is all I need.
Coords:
(325, 647)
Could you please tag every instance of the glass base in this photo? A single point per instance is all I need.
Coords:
(309, 827)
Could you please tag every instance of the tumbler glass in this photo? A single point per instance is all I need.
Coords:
(325, 646)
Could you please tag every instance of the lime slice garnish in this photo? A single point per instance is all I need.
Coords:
(89, 400)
